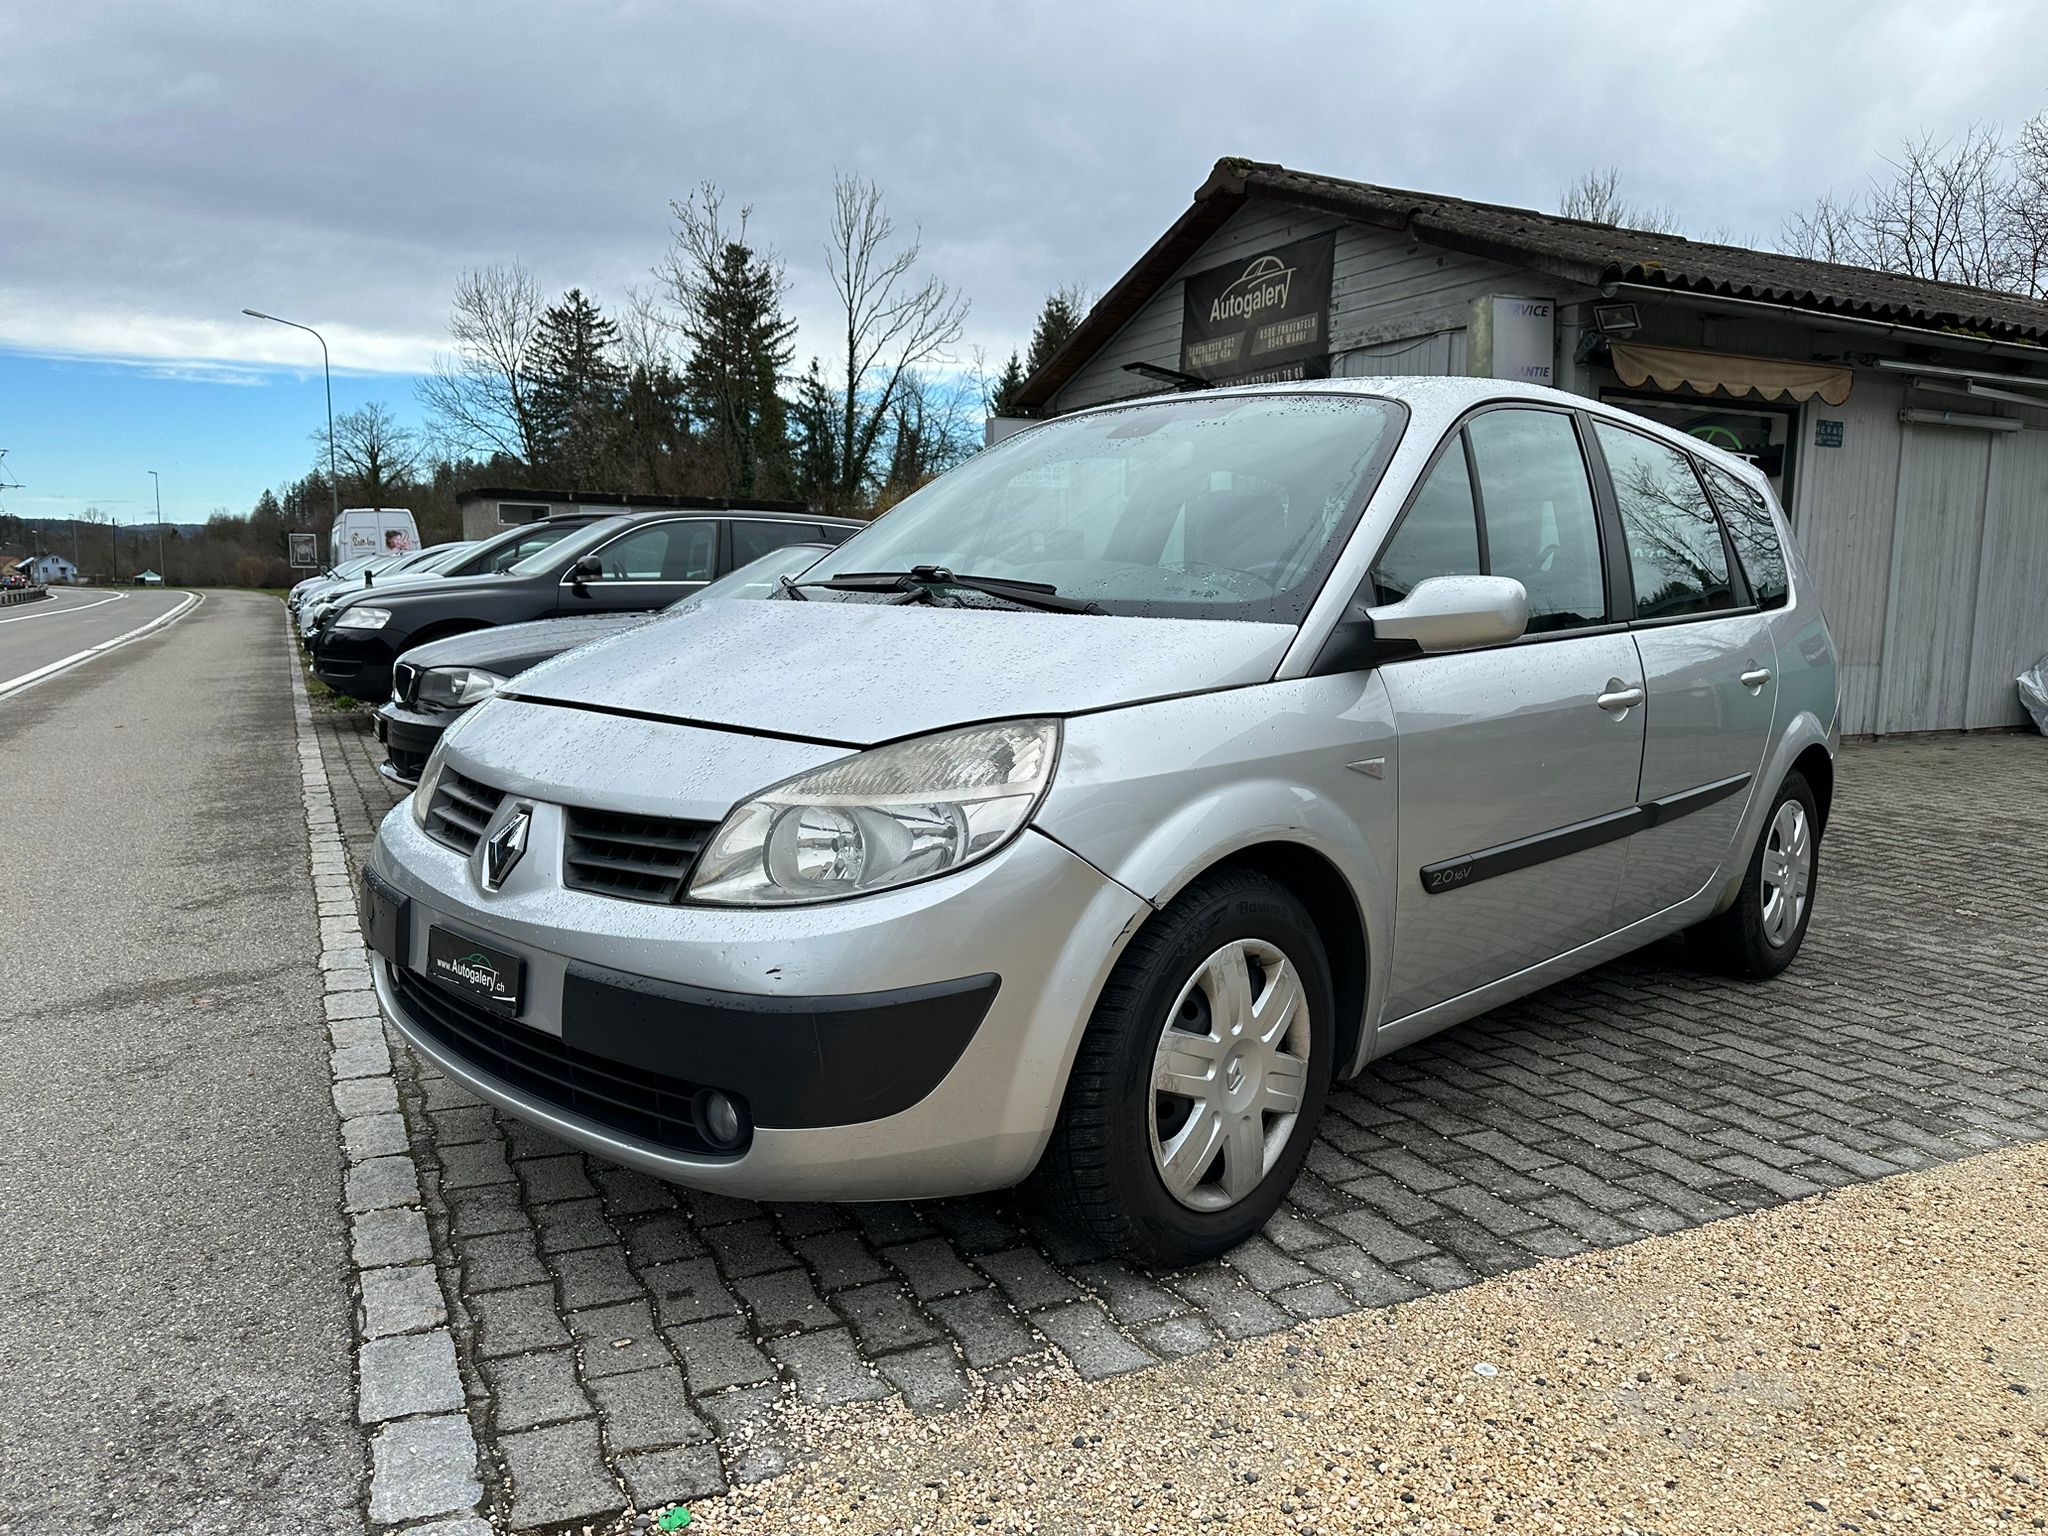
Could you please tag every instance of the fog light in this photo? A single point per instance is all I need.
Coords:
(721, 1120)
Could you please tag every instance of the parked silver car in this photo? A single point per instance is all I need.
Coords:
(1112, 795)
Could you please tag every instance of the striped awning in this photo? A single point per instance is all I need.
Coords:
(1732, 373)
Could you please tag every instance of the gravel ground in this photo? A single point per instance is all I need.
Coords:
(1870, 1359)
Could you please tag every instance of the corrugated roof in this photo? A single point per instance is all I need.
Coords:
(1576, 250)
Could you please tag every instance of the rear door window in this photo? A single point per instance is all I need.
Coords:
(752, 540)
(1675, 550)
(1536, 503)
(1439, 536)
(661, 552)
(1754, 533)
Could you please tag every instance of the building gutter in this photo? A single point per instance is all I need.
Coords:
(1705, 300)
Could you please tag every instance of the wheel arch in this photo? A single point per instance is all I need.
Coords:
(1817, 767)
(1332, 906)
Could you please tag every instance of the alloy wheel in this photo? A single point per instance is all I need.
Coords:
(1787, 873)
(1229, 1075)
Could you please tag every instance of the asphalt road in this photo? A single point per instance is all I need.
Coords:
(175, 1346)
(33, 635)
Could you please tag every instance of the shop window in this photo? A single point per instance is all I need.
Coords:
(1759, 434)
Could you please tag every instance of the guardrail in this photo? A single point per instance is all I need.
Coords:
(21, 594)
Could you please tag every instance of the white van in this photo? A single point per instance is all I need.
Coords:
(360, 531)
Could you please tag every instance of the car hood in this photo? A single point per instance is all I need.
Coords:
(434, 589)
(860, 673)
(512, 648)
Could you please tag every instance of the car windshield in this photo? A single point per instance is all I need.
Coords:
(589, 536)
(353, 567)
(1202, 506)
(436, 559)
(509, 548)
(757, 578)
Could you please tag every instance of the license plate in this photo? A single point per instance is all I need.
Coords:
(480, 971)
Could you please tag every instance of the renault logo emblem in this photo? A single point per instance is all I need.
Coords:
(504, 846)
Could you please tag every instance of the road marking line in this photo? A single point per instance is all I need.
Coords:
(14, 685)
(40, 612)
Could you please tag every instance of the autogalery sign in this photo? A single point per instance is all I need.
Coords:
(1265, 317)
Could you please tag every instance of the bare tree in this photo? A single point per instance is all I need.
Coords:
(2026, 216)
(1596, 197)
(896, 323)
(1968, 210)
(481, 395)
(374, 450)
(647, 332)
(1939, 215)
(1828, 233)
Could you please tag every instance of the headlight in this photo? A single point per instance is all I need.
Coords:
(430, 778)
(363, 618)
(456, 687)
(881, 818)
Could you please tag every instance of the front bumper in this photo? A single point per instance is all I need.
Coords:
(912, 1044)
(356, 662)
(409, 737)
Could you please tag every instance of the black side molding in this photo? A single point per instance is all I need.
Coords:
(1523, 853)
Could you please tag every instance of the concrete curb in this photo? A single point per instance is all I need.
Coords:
(409, 1395)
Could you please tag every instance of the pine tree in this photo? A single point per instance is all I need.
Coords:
(575, 386)
(741, 344)
(1003, 397)
(1058, 319)
(652, 438)
(815, 424)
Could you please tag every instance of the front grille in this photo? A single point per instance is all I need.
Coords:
(461, 810)
(639, 858)
(646, 1105)
(405, 682)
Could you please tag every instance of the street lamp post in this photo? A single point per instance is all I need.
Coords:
(163, 575)
(333, 481)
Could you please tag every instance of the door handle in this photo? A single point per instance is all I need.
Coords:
(1620, 699)
(1756, 677)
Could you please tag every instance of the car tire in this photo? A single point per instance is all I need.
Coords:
(1264, 1053)
(1760, 935)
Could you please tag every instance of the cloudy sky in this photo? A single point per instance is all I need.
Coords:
(163, 165)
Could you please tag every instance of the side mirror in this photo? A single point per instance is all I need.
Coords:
(1455, 613)
(589, 568)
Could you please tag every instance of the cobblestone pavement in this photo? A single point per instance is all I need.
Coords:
(625, 1343)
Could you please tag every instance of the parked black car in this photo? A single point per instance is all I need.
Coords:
(633, 563)
(434, 684)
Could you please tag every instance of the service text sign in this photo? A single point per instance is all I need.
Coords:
(1512, 338)
(1266, 316)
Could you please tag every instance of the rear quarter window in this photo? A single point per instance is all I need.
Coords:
(1754, 532)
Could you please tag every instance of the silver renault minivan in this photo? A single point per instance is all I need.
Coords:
(1097, 807)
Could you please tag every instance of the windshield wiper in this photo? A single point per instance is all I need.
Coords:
(791, 589)
(1026, 594)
